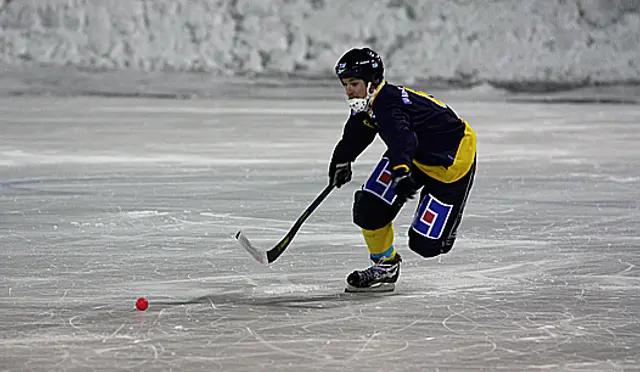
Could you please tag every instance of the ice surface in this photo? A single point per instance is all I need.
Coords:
(104, 200)
(520, 44)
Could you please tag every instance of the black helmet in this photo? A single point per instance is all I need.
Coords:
(363, 64)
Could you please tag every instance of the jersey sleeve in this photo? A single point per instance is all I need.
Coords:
(357, 135)
(395, 129)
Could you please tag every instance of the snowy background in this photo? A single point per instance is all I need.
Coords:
(520, 45)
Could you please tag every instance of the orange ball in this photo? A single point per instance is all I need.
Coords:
(142, 304)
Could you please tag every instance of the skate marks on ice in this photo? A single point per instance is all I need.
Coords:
(95, 326)
(100, 209)
(450, 327)
(445, 319)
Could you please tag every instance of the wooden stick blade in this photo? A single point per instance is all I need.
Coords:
(260, 256)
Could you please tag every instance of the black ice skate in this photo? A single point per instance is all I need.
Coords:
(381, 277)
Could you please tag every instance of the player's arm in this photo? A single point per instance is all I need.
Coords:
(357, 135)
(402, 143)
(395, 129)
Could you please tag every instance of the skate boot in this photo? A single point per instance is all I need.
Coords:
(381, 277)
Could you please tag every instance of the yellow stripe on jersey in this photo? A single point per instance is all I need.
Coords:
(462, 162)
(465, 155)
(375, 94)
(427, 96)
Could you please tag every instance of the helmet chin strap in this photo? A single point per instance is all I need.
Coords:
(361, 104)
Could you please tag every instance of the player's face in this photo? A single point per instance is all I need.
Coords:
(354, 88)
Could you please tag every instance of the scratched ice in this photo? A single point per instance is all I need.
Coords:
(106, 200)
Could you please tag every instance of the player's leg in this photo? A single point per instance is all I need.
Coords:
(375, 218)
(434, 228)
(374, 212)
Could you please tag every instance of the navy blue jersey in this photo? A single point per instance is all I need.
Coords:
(417, 129)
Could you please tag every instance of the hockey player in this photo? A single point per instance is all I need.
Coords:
(429, 147)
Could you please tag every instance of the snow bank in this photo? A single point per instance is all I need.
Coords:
(510, 43)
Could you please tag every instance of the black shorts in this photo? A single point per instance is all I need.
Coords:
(437, 217)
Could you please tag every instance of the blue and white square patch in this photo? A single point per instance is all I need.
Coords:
(432, 217)
(379, 183)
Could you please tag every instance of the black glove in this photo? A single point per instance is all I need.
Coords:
(404, 185)
(339, 174)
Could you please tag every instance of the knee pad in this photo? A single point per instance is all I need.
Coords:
(370, 212)
(426, 247)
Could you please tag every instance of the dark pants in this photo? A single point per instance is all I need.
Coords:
(439, 213)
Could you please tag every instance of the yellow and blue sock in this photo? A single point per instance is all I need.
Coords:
(380, 242)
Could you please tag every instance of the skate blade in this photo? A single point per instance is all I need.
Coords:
(380, 287)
